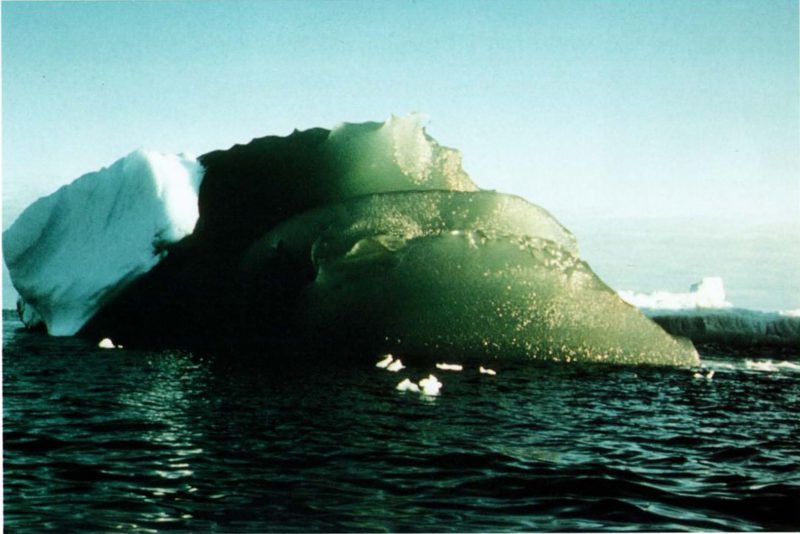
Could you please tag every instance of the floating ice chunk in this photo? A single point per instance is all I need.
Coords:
(407, 385)
(69, 253)
(449, 367)
(430, 385)
(789, 365)
(395, 366)
(708, 376)
(485, 371)
(106, 343)
(384, 363)
(707, 294)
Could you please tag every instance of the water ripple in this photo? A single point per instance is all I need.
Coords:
(142, 441)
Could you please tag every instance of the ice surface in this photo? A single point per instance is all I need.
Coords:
(455, 274)
(70, 252)
(250, 188)
(709, 293)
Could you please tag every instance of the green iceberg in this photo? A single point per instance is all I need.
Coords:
(369, 238)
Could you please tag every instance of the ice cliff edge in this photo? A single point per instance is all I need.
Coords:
(369, 235)
(69, 253)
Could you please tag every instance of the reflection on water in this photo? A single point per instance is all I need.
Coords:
(105, 440)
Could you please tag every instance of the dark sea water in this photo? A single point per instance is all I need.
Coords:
(108, 440)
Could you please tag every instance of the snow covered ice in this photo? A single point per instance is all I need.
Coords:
(70, 252)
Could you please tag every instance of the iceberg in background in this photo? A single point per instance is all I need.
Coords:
(707, 294)
(711, 322)
(69, 253)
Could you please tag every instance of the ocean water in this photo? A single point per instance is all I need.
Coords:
(108, 440)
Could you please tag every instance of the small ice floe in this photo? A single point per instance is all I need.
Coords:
(449, 367)
(789, 365)
(106, 343)
(407, 385)
(395, 366)
(485, 371)
(762, 365)
(384, 363)
(708, 376)
(430, 386)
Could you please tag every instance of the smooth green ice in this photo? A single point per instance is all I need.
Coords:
(462, 275)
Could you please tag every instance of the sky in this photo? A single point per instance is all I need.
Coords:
(594, 110)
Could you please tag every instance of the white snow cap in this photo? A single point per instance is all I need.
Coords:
(707, 294)
(70, 252)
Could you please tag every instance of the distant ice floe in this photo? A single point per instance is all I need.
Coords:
(70, 252)
(707, 294)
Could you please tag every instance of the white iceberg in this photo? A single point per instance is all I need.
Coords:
(72, 251)
(706, 317)
(707, 294)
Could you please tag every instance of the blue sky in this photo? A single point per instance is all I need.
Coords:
(590, 109)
